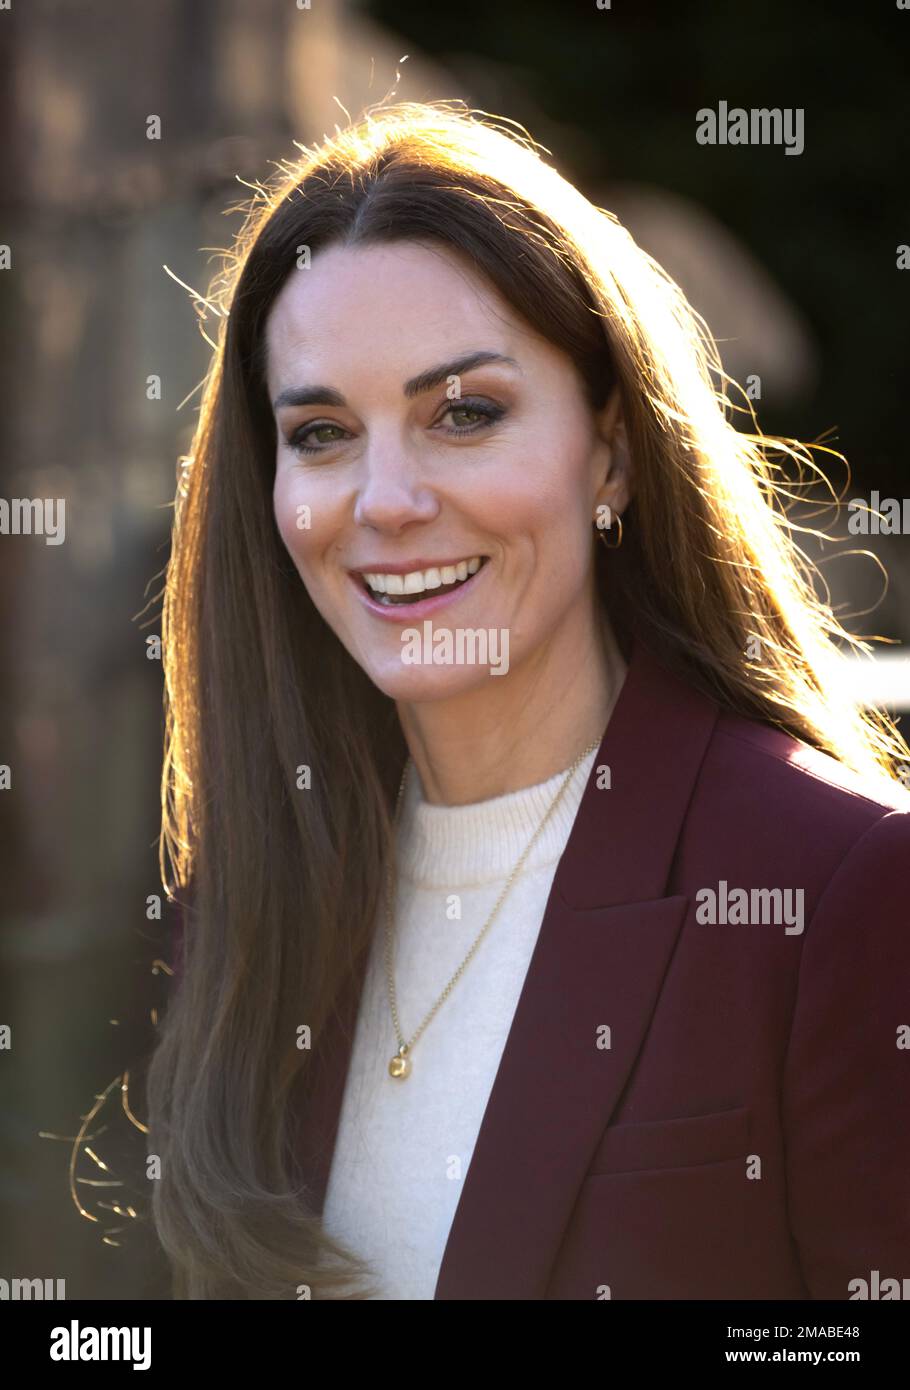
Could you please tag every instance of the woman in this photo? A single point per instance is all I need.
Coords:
(547, 927)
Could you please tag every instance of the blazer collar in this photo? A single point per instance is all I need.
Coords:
(654, 743)
(604, 944)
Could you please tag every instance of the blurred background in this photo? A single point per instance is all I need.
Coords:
(793, 261)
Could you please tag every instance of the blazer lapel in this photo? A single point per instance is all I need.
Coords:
(605, 942)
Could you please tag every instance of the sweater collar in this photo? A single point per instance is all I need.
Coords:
(480, 843)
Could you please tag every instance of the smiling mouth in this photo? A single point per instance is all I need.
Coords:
(428, 584)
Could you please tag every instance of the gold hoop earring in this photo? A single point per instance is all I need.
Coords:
(601, 532)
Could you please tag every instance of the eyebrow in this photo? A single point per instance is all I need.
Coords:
(424, 381)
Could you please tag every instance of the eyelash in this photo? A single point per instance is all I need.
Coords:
(491, 413)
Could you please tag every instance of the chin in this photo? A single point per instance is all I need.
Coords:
(419, 684)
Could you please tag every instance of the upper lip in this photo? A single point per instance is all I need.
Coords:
(410, 566)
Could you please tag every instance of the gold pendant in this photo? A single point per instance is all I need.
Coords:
(400, 1066)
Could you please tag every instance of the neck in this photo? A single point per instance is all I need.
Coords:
(520, 729)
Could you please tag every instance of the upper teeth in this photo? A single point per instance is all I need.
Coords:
(419, 580)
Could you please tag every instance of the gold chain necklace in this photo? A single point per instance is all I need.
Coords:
(400, 1065)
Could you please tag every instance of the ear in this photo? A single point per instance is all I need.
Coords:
(615, 472)
(610, 414)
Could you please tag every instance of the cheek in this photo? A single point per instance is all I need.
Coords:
(285, 506)
(545, 505)
(551, 529)
(553, 473)
(301, 519)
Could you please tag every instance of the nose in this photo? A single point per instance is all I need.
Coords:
(393, 492)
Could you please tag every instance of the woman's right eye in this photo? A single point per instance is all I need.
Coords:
(296, 441)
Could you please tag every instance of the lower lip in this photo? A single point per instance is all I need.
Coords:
(407, 612)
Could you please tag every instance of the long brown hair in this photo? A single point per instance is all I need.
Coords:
(286, 882)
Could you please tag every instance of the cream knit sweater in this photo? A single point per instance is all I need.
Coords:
(404, 1146)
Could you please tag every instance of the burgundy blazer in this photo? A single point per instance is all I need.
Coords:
(746, 1132)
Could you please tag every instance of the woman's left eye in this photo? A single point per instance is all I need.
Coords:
(487, 412)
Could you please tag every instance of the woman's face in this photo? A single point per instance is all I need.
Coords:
(423, 427)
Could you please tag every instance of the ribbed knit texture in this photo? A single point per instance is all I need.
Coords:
(404, 1146)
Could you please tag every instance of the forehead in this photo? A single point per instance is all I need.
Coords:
(395, 307)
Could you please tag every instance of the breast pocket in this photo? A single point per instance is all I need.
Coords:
(686, 1143)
